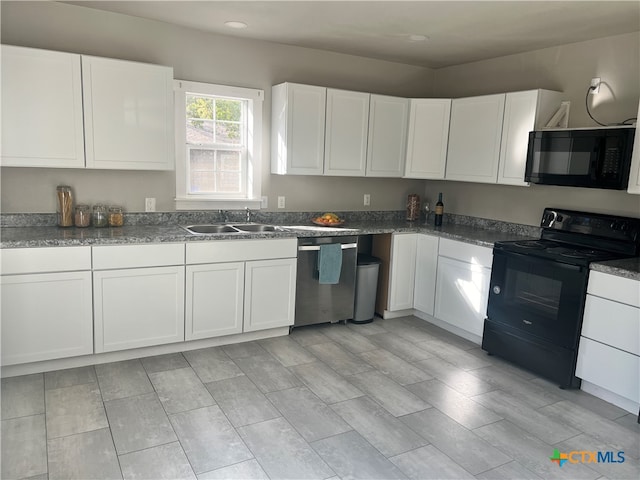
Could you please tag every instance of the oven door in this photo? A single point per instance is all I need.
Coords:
(538, 296)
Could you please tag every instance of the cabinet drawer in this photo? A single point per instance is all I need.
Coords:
(134, 256)
(612, 323)
(240, 250)
(620, 289)
(42, 260)
(466, 252)
(609, 368)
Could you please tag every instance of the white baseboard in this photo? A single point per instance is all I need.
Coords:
(608, 396)
(472, 337)
(94, 359)
(398, 313)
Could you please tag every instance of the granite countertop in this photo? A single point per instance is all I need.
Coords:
(474, 231)
(47, 236)
(627, 267)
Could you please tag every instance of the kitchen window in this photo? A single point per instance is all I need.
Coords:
(218, 146)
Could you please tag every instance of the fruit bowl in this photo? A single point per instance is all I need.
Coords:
(328, 220)
(327, 224)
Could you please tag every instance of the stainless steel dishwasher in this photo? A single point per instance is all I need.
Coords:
(320, 303)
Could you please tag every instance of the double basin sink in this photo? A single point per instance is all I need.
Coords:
(214, 228)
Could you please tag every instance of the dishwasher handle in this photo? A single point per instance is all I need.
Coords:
(344, 246)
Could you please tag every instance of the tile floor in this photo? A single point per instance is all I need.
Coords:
(391, 399)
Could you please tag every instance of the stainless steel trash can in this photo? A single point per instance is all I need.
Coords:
(366, 288)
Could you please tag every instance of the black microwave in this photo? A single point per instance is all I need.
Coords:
(594, 158)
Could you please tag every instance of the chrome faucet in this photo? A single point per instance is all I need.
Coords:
(225, 215)
(247, 214)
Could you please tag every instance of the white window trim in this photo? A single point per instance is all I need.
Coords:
(185, 201)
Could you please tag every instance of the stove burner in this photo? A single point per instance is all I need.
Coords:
(531, 244)
(574, 253)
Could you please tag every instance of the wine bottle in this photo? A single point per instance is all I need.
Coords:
(439, 210)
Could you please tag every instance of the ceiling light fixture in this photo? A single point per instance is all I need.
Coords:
(236, 25)
(418, 38)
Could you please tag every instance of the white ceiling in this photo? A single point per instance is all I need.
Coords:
(459, 31)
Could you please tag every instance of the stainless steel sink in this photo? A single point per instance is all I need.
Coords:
(210, 229)
(256, 227)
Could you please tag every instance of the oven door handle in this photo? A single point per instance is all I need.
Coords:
(344, 246)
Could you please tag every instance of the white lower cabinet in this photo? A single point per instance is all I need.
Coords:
(462, 285)
(236, 286)
(269, 295)
(426, 271)
(138, 296)
(403, 271)
(214, 300)
(46, 316)
(45, 298)
(609, 350)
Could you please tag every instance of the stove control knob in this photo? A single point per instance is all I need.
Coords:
(497, 290)
(559, 218)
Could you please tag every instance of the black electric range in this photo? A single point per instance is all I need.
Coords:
(538, 289)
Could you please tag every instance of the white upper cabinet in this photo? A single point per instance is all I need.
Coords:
(346, 129)
(387, 141)
(474, 138)
(41, 108)
(75, 111)
(128, 110)
(297, 129)
(634, 177)
(427, 138)
(523, 112)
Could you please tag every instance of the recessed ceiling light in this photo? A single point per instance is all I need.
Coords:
(237, 25)
(418, 38)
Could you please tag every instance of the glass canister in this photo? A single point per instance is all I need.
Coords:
(65, 206)
(116, 217)
(413, 207)
(82, 216)
(100, 216)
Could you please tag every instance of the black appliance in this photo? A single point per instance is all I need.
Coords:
(538, 289)
(595, 158)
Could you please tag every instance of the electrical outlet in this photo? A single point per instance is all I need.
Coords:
(280, 202)
(367, 199)
(264, 202)
(150, 204)
(595, 82)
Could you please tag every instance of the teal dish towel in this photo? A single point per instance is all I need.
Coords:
(329, 263)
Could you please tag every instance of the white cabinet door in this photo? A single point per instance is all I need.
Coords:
(609, 368)
(138, 307)
(426, 271)
(128, 114)
(386, 148)
(634, 177)
(46, 316)
(403, 270)
(214, 300)
(474, 138)
(523, 112)
(41, 108)
(297, 129)
(347, 125)
(427, 138)
(269, 296)
(462, 292)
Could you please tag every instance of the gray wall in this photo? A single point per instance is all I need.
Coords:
(198, 56)
(567, 68)
(202, 57)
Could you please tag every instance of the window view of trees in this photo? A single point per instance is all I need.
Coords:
(215, 126)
